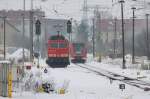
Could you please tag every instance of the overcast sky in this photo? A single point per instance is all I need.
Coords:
(64, 8)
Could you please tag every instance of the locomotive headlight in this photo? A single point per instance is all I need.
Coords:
(52, 55)
(62, 55)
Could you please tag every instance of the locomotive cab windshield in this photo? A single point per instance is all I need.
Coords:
(57, 37)
(78, 47)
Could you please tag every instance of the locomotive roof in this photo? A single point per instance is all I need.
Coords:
(57, 37)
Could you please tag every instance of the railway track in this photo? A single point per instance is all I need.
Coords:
(114, 76)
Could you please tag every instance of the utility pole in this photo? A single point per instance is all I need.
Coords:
(133, 51)
(99, 24)
(85, 10)
(123, 47)
(71, 19)
(38, 40)
(4, 18)
(45, 30)
(23, 31)
(93, 38)
(147, 36)
(115, 35)
(4, 32)
(69, 30)
(38, 33)
(31, 32)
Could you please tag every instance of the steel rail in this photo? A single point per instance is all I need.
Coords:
(128, 80)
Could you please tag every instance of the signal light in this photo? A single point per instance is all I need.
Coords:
(38, 27)
(69, 27)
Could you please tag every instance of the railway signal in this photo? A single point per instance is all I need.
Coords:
(69, 26)
(38, 27)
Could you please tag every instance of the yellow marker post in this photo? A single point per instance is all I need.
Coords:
(10, 84)
(62, 91)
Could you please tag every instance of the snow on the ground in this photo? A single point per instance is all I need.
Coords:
(115, 65)
(83, 84)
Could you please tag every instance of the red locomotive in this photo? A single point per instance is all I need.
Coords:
(78, 52)
(58, 51)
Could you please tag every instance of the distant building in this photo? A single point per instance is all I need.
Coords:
(17, 14)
